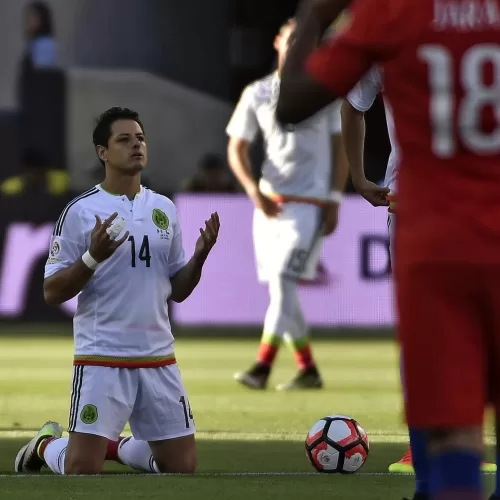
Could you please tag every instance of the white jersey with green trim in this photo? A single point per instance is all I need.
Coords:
(298, 159)
(122, 311)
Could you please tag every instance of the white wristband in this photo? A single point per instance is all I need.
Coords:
(89, 261)
(336, 197)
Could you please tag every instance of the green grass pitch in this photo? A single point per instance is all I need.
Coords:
(250, 443)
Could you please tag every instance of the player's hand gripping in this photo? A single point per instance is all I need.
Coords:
(101, 245)
(330, 218)
(266, 204)
(208, 237)
(376, 195)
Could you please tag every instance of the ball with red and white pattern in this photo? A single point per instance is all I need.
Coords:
(337, 444)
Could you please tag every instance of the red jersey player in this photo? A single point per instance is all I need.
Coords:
(441, 63)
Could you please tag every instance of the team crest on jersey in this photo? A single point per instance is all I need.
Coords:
(161, 221)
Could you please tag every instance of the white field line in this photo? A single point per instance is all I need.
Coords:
(208, 474)
(248, 436)
(230, 436)
(200, 474)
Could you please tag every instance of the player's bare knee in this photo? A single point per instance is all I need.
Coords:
(184, 464)
(81, 467)
(189, 464)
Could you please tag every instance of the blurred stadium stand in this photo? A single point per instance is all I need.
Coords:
(10, 164)
(182, 124)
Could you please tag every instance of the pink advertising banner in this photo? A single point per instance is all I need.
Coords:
(353, 287)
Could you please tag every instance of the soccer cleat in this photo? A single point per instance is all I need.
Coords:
(404, 466)
(306, 379)
(419, 496)
(488, 467)
(255, 378)
(27, 459)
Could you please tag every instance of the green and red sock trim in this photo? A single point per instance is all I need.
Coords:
(269, 347)
(43, 445)
(303, 353)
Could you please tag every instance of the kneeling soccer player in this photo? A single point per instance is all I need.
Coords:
(124, 270)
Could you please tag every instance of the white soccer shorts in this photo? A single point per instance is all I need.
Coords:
(290, 244)
(152, 400)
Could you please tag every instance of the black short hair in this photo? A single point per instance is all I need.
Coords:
(44, 13)
(102, 130)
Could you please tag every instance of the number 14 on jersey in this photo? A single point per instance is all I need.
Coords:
(144, 253)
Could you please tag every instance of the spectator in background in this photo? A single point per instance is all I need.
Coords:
(41, 53)
(41, 49)
(212, 176)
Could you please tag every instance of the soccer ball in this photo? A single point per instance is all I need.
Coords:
(337, 444)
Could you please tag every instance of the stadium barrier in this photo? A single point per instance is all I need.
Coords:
(353, 288)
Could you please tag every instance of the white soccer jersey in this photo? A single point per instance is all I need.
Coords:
(122, 316)
(298, 159)
(362, 97)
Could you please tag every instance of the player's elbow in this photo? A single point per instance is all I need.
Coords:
(293, 107)
(51, 299)
(286, 107)
(237, 151)
(293, 112)
(287, 114)
(50, 294)
(179, 296)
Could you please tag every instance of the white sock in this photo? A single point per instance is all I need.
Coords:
(137, 454)
(55, 454)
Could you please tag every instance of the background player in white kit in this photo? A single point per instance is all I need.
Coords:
(124, 364)
(296, 203)
(359, 100)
